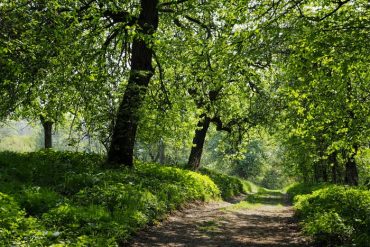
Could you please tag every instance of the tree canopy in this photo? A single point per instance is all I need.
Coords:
(152, 73)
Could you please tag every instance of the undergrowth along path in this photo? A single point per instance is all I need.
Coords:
(262, 219)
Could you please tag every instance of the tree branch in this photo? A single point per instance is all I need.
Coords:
(120, 17)
(201, 24)
(318, 19)
(219, 125)
(171, 3)
(161, 79)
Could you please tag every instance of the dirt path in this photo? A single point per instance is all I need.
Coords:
(255, 220)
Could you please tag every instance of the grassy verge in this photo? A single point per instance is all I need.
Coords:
(230, 186)
(303, 188)
(334, 215)
(68, 199)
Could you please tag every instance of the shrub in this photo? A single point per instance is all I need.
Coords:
(328, 228)
(229, 186)
(335, 215)
(303, 188)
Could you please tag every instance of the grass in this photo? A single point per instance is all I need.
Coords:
(262, 198)
(52, 198)
(208, 226)
(230, 186)
(242, 205)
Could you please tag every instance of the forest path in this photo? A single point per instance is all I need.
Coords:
(262, 219)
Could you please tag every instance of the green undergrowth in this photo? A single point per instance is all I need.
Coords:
(334, 215)
(230, 186)
(303, 188)
(264, 197)
(52, 198)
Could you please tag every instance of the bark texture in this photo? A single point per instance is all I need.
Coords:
(124, 132)
(198, 142)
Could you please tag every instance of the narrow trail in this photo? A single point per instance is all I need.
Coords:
(263, 219)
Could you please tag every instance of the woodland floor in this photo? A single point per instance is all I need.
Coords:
(263, 219)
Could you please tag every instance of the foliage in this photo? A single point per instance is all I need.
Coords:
(336, 215)
(364, 167)
(303, 188)
(15, 228)
(253, 162)
(262, 161)
(69, 199)
(325, 86)
(229, 186)
(296, 67)
(36, 200)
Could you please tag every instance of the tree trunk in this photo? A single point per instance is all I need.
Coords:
(334, 167)
(324, 172)
(198, 143)
(48, 141)
(48, 135)
(316, 170)
(334, 172)
(161, 152)
(351, 173)
(124, 132)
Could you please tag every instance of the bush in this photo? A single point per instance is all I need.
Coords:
(328, 228)
(229, 186)
(303, 188)
(336, 215)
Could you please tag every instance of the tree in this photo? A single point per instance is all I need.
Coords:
(326, 85)
(61, 59)
(124, 132)
(31, 57)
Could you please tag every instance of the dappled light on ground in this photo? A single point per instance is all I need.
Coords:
(262, 219)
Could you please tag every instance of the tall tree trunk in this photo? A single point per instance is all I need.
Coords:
(334, 172)
(161, 152)
(48, 135)
(324, 171)
(198, 142)
(351, 172)
(316, 170)
(160, 156)
(124, 132)
(334, 167)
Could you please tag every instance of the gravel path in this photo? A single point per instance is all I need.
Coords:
(255, 220)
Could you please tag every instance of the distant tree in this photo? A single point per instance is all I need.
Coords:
(326, 86)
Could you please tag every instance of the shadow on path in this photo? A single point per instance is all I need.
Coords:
(269, 198)
(269, 223)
